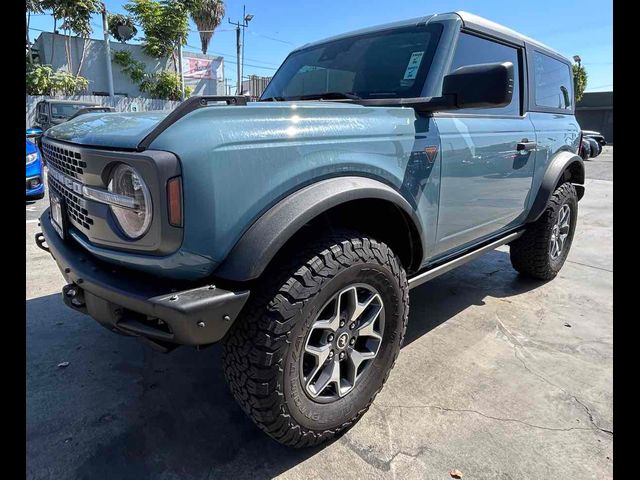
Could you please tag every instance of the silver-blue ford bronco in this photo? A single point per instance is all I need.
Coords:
(292, 229)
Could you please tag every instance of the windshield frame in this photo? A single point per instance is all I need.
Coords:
(437, 30)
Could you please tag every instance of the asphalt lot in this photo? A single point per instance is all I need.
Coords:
(500, 378)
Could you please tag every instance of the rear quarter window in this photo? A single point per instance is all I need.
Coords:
(553, 83)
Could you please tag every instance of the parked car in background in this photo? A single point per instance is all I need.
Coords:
(596, 148)
(97, 109)
(50, 112)
(292, 229)
(597, 136)
(35, 176)
(585, 149)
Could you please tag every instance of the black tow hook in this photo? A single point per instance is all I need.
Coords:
(73, 296)
(41, 242)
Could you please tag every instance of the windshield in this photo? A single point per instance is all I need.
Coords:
(383, 64)
(65, 110)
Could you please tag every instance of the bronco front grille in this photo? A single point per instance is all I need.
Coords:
(75, 205)
(65, 160)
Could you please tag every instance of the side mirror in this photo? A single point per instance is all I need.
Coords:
(43, 118)
(34, 132)
(487, 85)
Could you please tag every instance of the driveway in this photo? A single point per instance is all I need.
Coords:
(499, 377)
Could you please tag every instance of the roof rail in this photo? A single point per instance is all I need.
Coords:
(186, 107)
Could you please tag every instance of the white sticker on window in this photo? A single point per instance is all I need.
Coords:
(414, 64)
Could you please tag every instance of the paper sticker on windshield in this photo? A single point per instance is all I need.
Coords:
(414, 64)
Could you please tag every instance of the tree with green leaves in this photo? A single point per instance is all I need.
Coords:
(165, 24)
(579, 80)
(207, 15)
(121, 27)
(76, 18)
(42, 80)
(33, 6)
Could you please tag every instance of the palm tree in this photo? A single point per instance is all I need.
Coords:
(207, 15)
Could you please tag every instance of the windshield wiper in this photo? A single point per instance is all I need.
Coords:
(329, 96)
(273, 99)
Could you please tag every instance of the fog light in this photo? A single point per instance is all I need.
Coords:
(34, 183)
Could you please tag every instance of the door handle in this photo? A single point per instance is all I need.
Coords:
(525, 145)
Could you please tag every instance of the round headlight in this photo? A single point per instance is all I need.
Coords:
(134, 221)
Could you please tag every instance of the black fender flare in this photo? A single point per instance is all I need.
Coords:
(268, 234)
(557, 166)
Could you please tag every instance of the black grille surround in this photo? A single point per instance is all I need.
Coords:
(91, 222)
(67, 161)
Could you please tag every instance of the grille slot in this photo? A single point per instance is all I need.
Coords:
(65, 160)
(75, 205)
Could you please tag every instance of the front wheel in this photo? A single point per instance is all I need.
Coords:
(318, 339)
(543, 248)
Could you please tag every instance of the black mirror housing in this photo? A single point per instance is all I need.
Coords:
(480, 86)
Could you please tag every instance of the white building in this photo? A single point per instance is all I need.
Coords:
(203, 73)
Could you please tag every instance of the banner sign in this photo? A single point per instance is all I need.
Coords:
(203, 68)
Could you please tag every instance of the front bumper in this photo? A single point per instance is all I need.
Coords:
(164, 312)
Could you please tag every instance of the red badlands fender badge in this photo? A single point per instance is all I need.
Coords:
(431, 151)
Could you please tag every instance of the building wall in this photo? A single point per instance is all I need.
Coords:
(94, 67)
(255, 86)
(595, 112)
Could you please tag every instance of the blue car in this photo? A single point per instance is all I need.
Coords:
(35, 173)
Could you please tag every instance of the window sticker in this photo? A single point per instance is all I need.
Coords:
(414, 64)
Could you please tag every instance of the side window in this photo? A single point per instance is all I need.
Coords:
(472, 50)
(553, 83)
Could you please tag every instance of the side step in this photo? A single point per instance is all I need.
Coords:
(456, 262)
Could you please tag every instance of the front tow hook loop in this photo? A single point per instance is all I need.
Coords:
(74, 297)
(41, 242)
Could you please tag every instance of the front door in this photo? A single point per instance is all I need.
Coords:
(485, 174)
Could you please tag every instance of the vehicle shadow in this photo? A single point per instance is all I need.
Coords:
(121, 410)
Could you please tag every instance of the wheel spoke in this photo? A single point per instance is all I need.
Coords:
(564, 217)
(329, 375)
(561, 239)
(355, 360)
(367, 329)
(332, 323)
(321, 354)
(362, 306)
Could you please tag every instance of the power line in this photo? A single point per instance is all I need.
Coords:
(271, 38)
(235, 63)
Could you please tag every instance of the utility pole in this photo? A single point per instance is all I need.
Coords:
(107, 47)
(239, 72)
(246, 18)
(181, 71)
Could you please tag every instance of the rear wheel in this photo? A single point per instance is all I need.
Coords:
(542, 250)
(318, 339)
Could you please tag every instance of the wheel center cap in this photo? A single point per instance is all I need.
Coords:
(342, 340)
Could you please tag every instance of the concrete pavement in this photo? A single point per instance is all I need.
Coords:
(500, 378)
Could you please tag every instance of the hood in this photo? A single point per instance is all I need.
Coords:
(114, 130)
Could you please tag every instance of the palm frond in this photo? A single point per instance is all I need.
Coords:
(207, 15)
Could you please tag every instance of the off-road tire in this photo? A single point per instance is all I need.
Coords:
(261, 351)
(530, 254)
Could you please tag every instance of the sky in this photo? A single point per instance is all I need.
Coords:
(571, 27)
